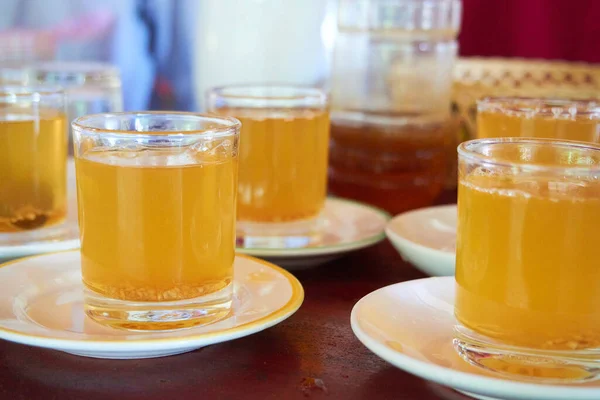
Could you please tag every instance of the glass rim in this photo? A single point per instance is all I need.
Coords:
(359, 16)
(74, 67)
(242, 92)
(84, 72)
(467, 150)
(33, 92)
(229, 126)
(541, 106)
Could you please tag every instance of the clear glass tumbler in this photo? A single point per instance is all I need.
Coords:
(283, 161)
(540, 118)
(157, 204)
(91, 87)
(33, 160)
(527, 267)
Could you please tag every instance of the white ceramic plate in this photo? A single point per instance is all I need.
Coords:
(41, 304)
(410, 325)
(348, 226)
(54, 238)
(426, 238)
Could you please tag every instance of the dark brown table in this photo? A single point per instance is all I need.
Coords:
(313, 354)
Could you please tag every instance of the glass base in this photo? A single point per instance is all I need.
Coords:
(159, 316)
(287, 235)
(44, 233)
(535, 365)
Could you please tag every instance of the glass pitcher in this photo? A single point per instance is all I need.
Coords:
(392, 130)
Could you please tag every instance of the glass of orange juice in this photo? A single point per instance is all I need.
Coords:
(527, 266)
(33, 159)
(157, 196)
(540, 118)
(283, 161)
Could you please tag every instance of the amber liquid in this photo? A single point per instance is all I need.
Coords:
(494, 124)
(283, 163)
(394, 166)
(33, 177)
(528, 263)
(156, 233)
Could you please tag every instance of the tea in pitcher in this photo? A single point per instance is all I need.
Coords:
(391, 162)
(391, 86)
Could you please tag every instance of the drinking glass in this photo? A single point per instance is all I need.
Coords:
(91, 87)
(156, 195)
(33, 159)
(527, 270)
(540, 118)
(283, 161)
(13, 73)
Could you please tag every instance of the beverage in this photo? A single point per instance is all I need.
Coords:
(33, 153)
(387, 161)
(156, 232)
(527, 272)
(156, 196)
(495, 125)
(283, 163)
(538, 118)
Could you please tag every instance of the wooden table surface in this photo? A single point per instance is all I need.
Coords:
(313, 354)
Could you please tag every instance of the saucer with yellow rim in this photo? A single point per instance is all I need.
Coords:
(41, 304)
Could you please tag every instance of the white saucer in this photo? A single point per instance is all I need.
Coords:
(426, 238)
(410, 325)
(54, 238)
(348, 225)
(41, 305)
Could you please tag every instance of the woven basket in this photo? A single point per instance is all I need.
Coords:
(475, 78)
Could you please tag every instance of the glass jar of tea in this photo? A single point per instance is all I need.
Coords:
(392, 132)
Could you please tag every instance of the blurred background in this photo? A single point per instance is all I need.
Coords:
(170, 51)
(403, 75)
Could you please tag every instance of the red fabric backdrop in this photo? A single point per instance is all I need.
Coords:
(550, 29)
